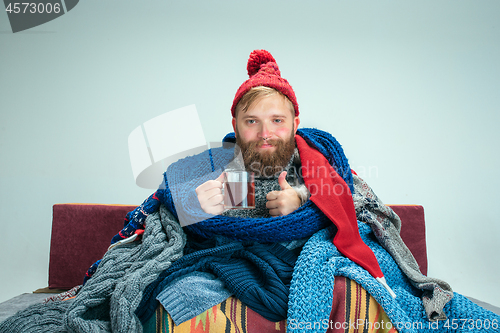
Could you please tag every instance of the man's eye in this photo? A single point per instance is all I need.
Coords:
(278, 120)
(250, 121)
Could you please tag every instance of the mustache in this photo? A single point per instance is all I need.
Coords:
(260, 143)
(269, 142)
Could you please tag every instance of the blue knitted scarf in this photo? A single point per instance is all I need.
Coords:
(275, 229)
(177, 194)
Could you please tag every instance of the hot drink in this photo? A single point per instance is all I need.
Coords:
(239, 190)
(238, 195)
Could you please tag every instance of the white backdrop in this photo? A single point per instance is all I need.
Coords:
(411, 90)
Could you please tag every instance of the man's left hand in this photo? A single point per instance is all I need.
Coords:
(282, 202)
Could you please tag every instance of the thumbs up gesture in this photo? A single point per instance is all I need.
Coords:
(282, 202)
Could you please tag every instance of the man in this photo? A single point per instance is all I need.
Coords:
(295, 262)
(265, 121)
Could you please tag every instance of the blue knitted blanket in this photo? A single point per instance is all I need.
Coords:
(310, 299)
(258, 274)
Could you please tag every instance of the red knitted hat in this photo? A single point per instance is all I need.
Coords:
(263, 71)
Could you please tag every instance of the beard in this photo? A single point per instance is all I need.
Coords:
(266, 163)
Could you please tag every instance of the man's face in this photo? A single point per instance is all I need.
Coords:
(265, 133)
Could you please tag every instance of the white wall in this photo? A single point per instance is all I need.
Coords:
(411, 90)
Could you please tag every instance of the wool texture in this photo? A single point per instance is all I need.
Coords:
(263, 71)
(311, 291)
(38, 318)
(188, 296)
(386, 226)
(330, 193)
(257, 274)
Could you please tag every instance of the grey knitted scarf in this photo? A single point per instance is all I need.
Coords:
(108, 301)
(386, 226)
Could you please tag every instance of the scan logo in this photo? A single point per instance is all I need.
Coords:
(29, 14)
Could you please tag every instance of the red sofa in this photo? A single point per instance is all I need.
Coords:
(81, 234)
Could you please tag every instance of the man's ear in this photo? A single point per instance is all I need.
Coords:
(296, 122)
(233, 122)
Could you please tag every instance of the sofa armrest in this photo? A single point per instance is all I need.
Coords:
(413, 232)
(81, 234)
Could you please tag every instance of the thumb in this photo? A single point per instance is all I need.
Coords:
(282, 181)
(221, 178)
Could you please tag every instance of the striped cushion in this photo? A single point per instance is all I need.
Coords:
(353, 310)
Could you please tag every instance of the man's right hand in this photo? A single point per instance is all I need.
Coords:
(210, 196)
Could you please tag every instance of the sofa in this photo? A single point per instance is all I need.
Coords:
(81, 234)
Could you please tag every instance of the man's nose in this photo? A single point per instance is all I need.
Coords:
(265, 131)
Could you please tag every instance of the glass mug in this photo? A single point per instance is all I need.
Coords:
(238, 190)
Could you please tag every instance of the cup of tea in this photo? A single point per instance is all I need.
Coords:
(238, 190)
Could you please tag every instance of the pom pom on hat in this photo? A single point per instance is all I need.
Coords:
(256, 59)
(263, 71)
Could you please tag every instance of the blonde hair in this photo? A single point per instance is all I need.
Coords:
(255, 94)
